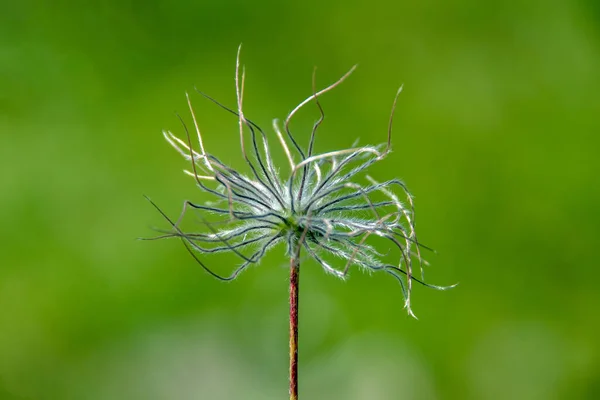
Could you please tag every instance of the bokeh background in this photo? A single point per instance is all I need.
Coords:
(496, 135)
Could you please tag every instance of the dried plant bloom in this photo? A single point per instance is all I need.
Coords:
(321, 208)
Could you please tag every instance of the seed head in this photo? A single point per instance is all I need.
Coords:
(321, 207)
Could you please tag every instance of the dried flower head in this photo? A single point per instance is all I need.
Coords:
(319, 208)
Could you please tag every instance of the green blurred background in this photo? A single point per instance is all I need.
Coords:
(496, 135)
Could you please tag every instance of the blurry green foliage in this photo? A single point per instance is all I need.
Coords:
(496, 135)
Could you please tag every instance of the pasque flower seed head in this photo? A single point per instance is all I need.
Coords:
(327, 206)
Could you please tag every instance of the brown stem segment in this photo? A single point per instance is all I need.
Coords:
(294, 281)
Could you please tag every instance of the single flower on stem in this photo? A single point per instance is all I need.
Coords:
(320, 209)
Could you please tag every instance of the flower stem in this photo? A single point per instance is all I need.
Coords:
(294, 288)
